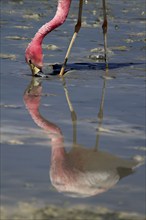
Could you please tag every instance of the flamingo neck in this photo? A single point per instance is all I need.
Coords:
(59, 18)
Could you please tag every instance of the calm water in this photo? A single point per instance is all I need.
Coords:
(26, 148)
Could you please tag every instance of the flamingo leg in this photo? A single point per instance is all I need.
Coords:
(76, 30)
(104, 28)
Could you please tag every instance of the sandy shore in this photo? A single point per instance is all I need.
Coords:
(27, 211)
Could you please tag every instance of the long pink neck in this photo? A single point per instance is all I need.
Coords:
(59, 18)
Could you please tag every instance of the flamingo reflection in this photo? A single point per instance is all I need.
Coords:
(81, 172)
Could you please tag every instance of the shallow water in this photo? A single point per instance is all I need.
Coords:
(120, 97)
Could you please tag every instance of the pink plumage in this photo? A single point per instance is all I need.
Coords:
(33, 53)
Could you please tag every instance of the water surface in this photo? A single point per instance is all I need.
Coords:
(26, 147)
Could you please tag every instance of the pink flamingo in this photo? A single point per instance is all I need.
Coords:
(34, 55)
(80, 172)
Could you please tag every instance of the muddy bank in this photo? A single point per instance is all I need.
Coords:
(26, 211)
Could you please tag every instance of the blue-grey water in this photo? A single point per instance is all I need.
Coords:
(25, 147)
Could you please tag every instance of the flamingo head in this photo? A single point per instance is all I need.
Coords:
(34, 57)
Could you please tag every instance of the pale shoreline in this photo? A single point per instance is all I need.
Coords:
(26, 211)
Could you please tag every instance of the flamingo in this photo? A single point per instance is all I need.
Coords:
(80, 172)
(34, 54)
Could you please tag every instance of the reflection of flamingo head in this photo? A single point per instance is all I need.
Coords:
(32, 94)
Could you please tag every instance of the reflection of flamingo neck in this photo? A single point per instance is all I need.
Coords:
(53, 132)
(58, 153)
